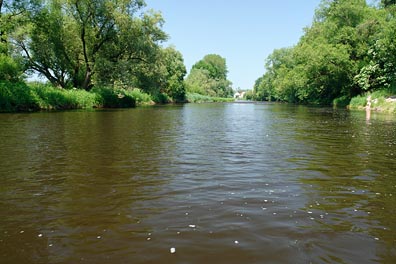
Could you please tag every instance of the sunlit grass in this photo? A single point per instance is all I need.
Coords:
(199, 98)
(380, 101)
(15, 97)
(22, 97)
(52, 98)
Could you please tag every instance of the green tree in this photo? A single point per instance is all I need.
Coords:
(324, 63)
(199, 81)
(209, 77)
(172, 73)
(387, 3)
(215, 65)
(380, 71)
(80, 43)
(12, 17)
(162, 78)
(133, 58)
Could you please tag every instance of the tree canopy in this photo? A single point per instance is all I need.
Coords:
(82, 43)
(209, 77)
(349, 49)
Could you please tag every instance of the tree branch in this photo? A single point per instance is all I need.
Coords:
(37, 67)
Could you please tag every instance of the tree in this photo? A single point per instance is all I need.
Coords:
(273, 84)
(324, 63)
(12, 17)
(163, 77)
(80, 42)
(387, 3)
(209, 77)
(380, 71)
(215, 65)
(172, 72)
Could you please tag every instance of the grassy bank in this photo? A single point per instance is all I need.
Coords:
(22, 97)
(199, 98)
(382, 100)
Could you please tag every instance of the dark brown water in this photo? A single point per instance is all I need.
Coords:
(219, 183)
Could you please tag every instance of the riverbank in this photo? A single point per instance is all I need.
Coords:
(22, 97)
(382, 101)
(199, 98)
(31, 97)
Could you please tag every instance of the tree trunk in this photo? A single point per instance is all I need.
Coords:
(87, 80)
(88, 74)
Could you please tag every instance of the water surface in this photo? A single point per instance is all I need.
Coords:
(219, 183)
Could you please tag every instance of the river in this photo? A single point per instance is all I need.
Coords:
(198, 183)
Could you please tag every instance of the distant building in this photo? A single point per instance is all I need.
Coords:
(238, 95)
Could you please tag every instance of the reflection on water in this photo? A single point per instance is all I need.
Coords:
(220, 183)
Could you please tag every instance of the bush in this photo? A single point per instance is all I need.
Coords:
(199, 98)
(53, 98)
(379, 101)
(342, 101)
(58, 99)
(140, 97)
(380, 94)
(162, 98)
(357, 102)
(10, 70)
(20, 97)
(83, 99)
(17, 97)
(115, 98)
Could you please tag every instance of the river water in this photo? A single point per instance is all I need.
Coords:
(198, 183)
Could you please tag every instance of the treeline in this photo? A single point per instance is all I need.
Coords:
(349, 49)
(83, 44)
(209, 77)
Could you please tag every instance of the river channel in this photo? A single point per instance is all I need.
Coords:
(198, 183)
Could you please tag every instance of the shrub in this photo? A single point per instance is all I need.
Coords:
(199, 98)
(17, 97)
(342, 101)
(114, 98)
(359, 101)
(83, 99)
(10, 70)
(140, 97)
(379, 101)
(380, 94)
(55, 98)
(162, 98)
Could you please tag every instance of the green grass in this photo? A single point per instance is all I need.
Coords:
(51, 98)
(358, 102)
(114, 98)
(379, 101)
(22, 97)
(140, 97)
(18, 97)
(342, 101)
(199, 98)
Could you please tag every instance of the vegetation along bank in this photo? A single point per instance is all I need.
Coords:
(110, 54)
(349, 52)
(96, 54)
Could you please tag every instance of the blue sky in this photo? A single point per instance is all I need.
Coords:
(242, 32)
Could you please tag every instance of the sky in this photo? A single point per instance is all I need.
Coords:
(243, 32)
